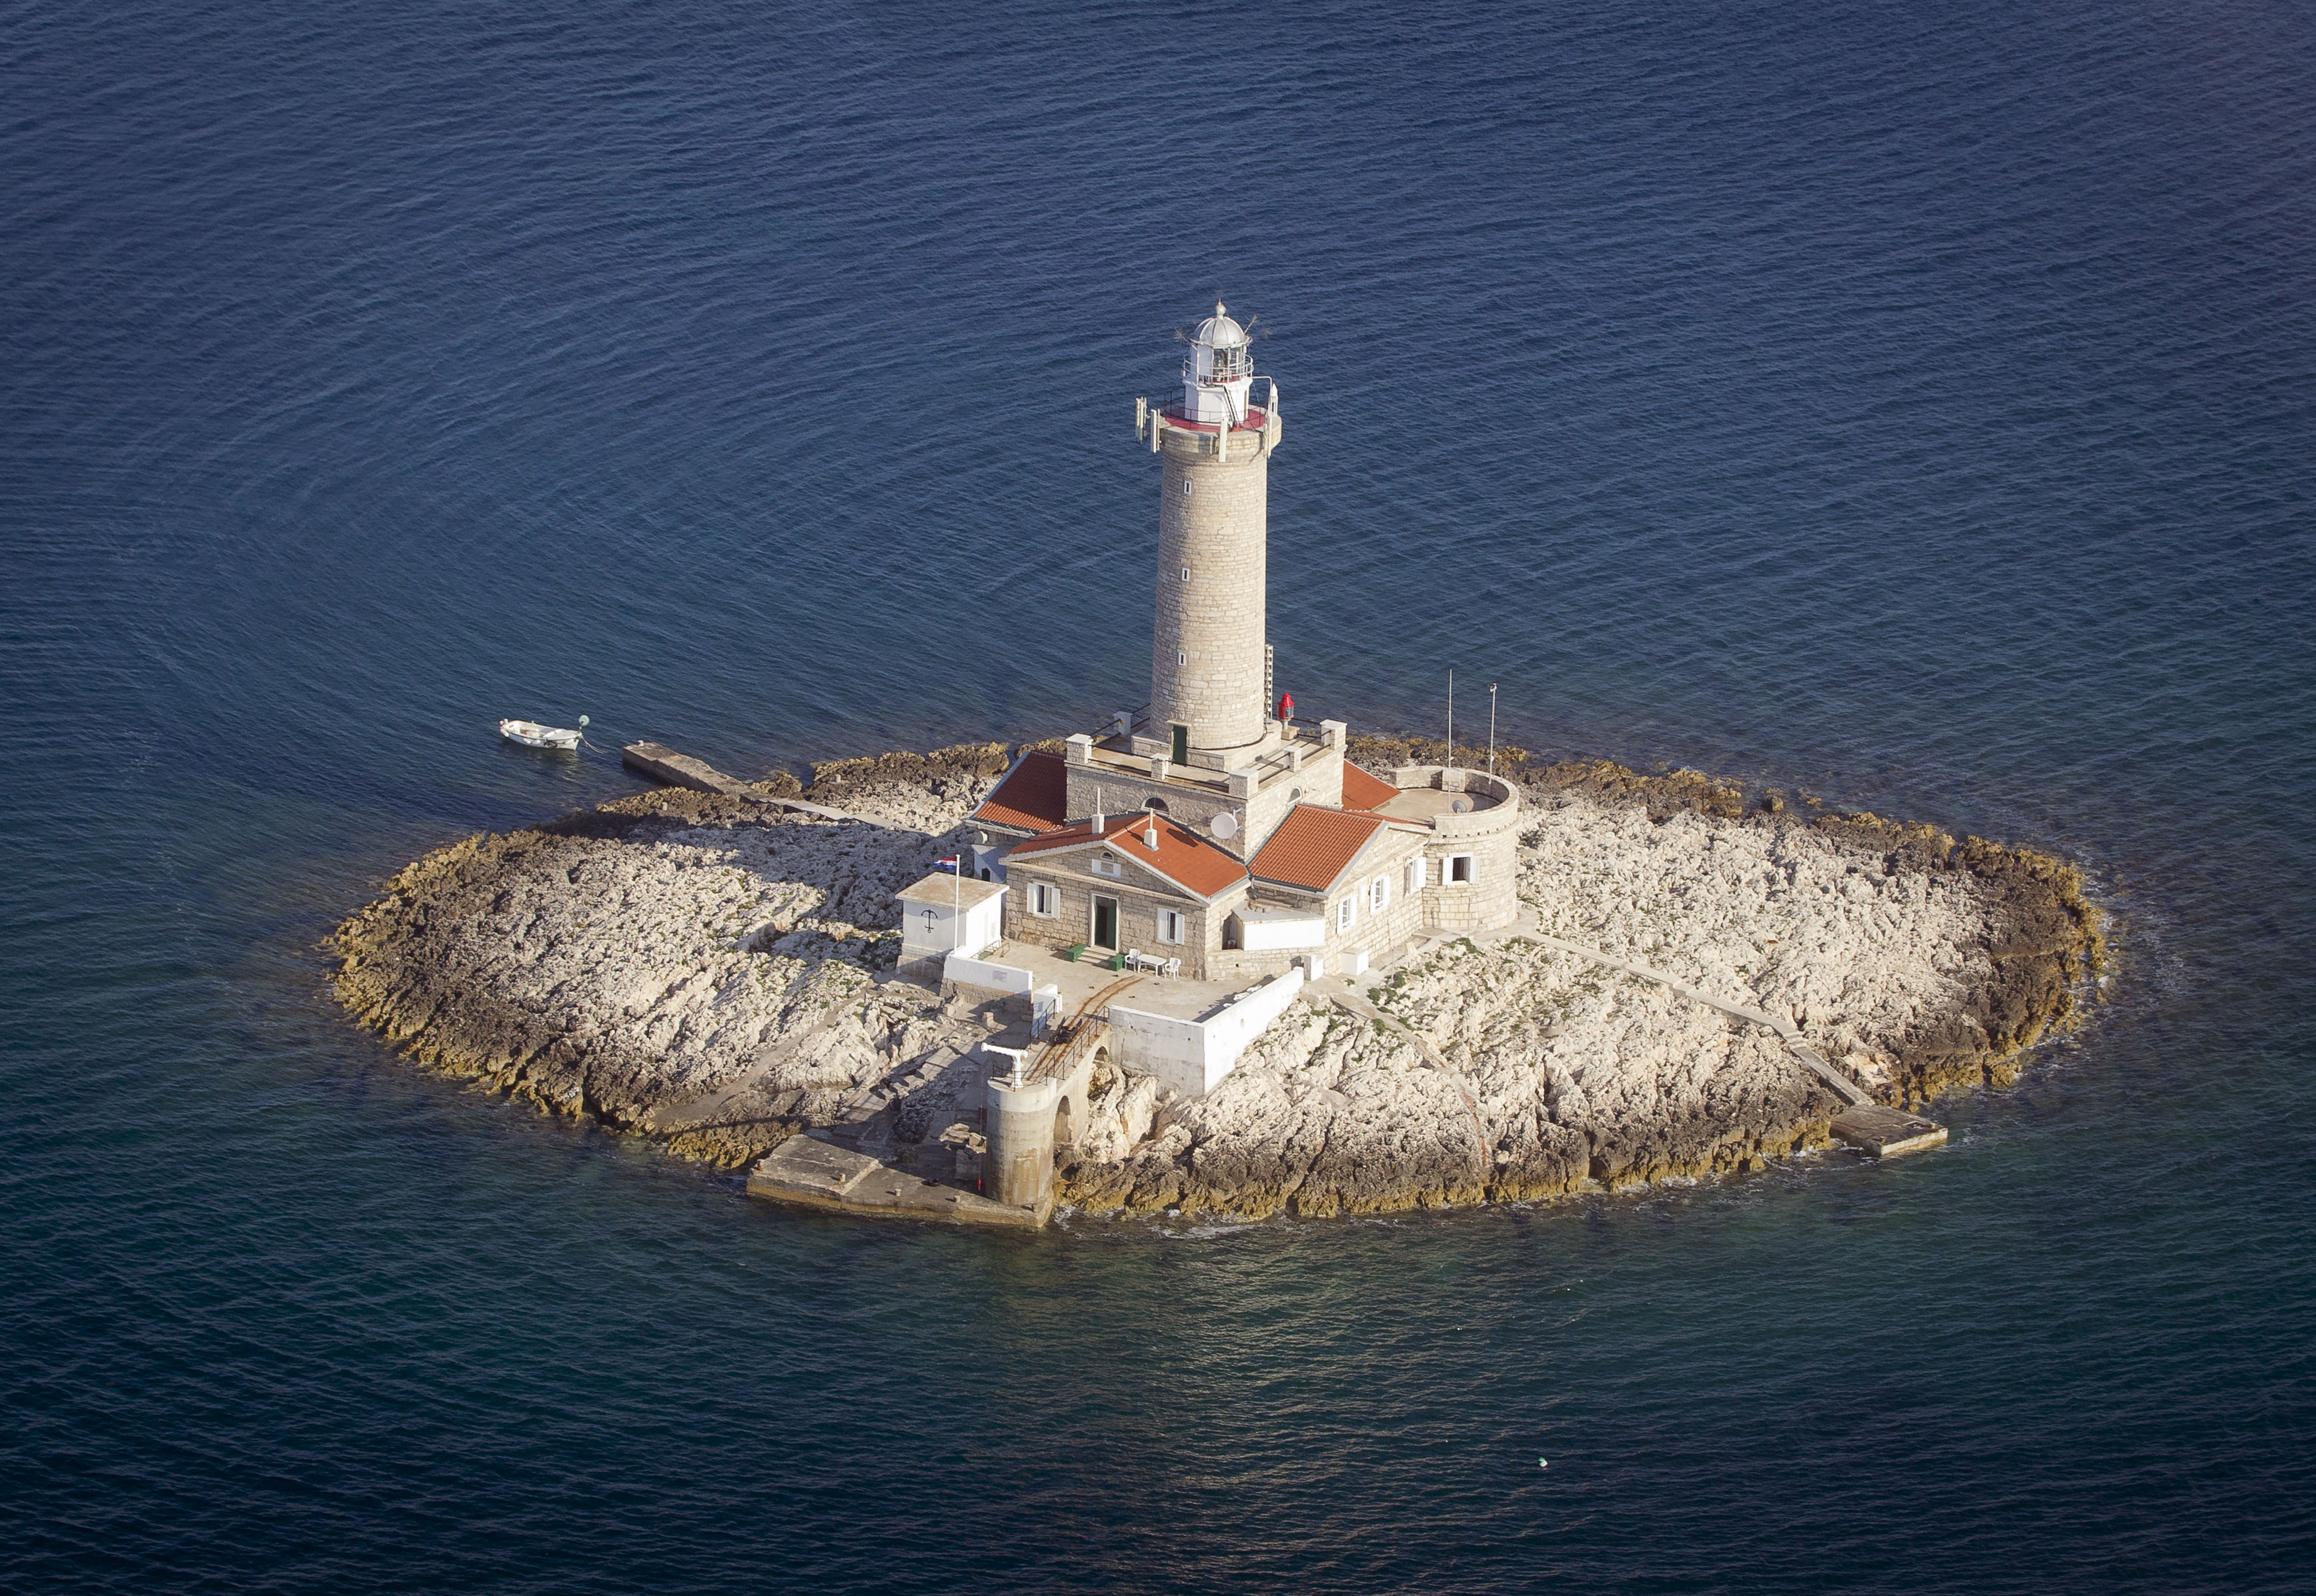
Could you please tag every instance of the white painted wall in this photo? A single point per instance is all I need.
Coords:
(929, 931)
(1265, 933)
(1194, 1056)
(974, 972)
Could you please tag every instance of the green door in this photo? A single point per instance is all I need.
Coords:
(1181, 744)
(1104, 924)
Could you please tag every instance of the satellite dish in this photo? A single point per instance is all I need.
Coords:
(1225, 825)
(1462, 806)
(583, 720)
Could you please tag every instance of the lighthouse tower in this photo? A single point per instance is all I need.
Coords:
(1208, 663)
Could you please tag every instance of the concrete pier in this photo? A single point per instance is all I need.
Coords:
(665, 765)
(1888, 1132)
(809, 1171)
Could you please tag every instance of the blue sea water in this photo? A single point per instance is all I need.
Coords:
(1916, 406)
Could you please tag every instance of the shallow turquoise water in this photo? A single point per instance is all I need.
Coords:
(1917, 411)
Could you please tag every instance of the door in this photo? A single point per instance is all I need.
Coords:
(1181, 744)
(1105, 922)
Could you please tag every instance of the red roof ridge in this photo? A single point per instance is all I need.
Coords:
(1182, 856)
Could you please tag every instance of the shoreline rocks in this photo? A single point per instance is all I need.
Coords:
(715, 973)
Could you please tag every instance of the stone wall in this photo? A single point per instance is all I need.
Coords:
(1490, 899)
(1405, 918)
(1206, 659)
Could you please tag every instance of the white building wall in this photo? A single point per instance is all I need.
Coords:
(931, 930)
(1194, 1056)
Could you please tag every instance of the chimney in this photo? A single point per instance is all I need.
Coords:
(1097, 811)
(1150, 834)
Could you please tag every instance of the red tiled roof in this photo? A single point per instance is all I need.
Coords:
(1314, 846)
(1182, 856)
(1034, 797)
(1363, 791)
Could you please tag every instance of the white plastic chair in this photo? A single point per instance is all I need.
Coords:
(1173, 969)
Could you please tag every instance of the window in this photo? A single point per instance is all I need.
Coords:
(1379, 894)
(1459, 870)
(1186, 573)
(1107, 865)
(1044, 900)
(1186, 489)
(1170, 926)
(1414, 875)
(1346, 912)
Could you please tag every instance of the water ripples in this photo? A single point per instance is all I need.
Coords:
(1913, 410)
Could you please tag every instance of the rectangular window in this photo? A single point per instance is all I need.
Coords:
(1379, 894)
(1415, 876)
(1459, 868)
(1107, 865)
(1346, 912)
(1043, 899)
(1170, 926)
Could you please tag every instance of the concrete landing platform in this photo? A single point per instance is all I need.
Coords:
(813, 1173)
(665, 765)
(676, 770)
(1888, 1132)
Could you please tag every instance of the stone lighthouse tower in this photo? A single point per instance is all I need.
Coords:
(1209, 680)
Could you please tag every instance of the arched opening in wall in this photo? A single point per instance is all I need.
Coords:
(1233, 935)
(1065, 1131)
(1155, 804)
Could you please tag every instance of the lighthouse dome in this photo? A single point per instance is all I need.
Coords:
(1218, 331)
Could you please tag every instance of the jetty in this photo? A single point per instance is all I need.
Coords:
(664, 765)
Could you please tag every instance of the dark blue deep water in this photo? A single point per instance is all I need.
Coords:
(1916, 404)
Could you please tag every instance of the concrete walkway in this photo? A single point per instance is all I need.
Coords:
(1850, 1092)
(665, 764)
(1356, 1005)
(1864, 1123)
(1527, 925)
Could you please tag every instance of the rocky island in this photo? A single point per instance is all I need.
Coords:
(1210, 956)
(719, 974)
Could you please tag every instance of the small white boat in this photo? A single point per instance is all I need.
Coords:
(531, 735)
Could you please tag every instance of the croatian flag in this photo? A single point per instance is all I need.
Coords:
(948, 864)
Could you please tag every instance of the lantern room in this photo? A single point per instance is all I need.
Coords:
(1220, 371)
